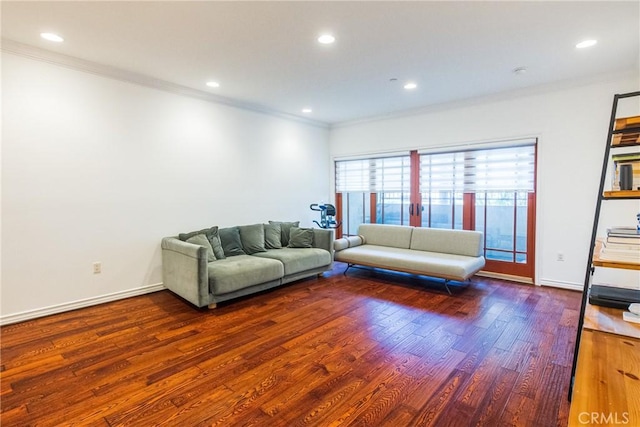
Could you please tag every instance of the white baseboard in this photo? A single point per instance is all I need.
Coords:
(510, 277)
(60, 308)
(562, 285)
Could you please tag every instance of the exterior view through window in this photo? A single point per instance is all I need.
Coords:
(487, 189)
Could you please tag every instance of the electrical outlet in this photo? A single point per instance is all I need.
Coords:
(97, 267)
(560, 256)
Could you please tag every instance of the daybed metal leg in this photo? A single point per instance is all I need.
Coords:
(344, 273)
(446, 285)
(212, 306)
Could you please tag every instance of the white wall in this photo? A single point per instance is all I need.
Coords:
(571, 124)
(97, 169)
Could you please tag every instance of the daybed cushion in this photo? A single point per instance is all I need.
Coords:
(242, 271)
(429, 263)
(457, 242)
(396, 236)
(297, 260)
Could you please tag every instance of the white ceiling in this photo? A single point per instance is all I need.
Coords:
(265, 53)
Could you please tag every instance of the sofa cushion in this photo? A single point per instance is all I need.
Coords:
(300, 238)
(457, 242)
(252, 238)
(212, 236)
(272, 236)
(348, 242)
(436, 264)
(201, 239)
(216, 244)
(285, 230)
(231, 243)
(297, 260)
(397, 236)
(242, 271)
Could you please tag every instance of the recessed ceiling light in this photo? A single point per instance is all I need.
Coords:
(586, 43)
(213, 84)
(410, 86)
(307, 110)
(52, 37)
(326, 39)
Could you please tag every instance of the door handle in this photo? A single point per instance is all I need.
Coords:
(410, 209)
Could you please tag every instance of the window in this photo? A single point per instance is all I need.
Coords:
(374, 190)
(490, 189)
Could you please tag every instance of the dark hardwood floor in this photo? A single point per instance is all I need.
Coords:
(376, 349)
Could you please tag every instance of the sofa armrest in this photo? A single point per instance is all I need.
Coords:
(184, 270)
(348, 242)
(323, 239)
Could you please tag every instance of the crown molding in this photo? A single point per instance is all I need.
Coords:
(78, 64)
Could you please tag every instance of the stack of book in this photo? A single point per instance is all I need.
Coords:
(622, 244)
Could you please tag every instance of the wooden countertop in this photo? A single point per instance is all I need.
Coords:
(606, 391)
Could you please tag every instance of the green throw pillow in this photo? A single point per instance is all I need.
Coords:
(216, 244)
(201, 239)
(231, 243)
(272, 236)
(252, 238)
(301, 238)
(212, 236)
(285, 229)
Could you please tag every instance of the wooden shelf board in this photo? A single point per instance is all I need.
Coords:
(621, 194)
(607, 319)
(625, 144)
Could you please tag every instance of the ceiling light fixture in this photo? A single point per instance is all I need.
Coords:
(213, 84)
(326, 39)
(410, 86)
(586, 43)
(307, 110)
(52, 37)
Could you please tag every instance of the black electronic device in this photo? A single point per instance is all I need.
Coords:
(607, 296)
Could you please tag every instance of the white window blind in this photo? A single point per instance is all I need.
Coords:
(496, 169)
(373, 175)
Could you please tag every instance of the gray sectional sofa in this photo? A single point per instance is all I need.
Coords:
(447, 254)
(218, 264)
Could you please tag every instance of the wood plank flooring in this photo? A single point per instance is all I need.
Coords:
(368, 349)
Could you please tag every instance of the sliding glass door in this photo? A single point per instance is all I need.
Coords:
(491, 190)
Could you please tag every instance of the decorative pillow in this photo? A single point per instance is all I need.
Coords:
(285, 230)
(231, 243)
(301, 238)
(272, 236)
(201, 239)
(185, 236)
(216, 244)
(212, 235)
(252, 238)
